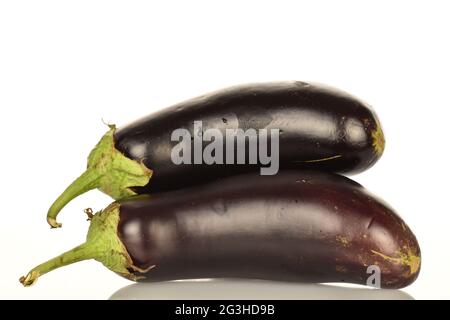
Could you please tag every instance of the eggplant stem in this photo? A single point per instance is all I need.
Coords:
(102, 244)
(87, 181)
(108, 170)
(80, 253)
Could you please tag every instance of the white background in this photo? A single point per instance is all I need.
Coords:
(66, 65)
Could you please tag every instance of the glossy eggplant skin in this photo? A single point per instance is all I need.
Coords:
(320, 128)
(295, 226)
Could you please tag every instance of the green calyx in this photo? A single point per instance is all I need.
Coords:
(108, 170)
(102, 244)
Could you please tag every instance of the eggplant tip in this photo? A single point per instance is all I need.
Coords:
(408, 259)
(378, 141)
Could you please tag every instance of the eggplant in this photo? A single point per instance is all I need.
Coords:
(318, 127)
(296, 226)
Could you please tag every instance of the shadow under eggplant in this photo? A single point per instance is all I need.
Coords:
(235, 289)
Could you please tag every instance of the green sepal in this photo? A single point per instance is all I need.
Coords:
(102, 244)
(108, 170)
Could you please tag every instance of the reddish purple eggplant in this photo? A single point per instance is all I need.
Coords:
(318, 128)
(295, 226)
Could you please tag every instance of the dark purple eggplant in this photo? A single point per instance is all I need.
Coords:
(295, 226)
(319, 128)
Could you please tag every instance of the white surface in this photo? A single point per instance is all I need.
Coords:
(220, 289)
(66, 65)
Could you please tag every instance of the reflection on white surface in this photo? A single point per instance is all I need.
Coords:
(250, 290)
